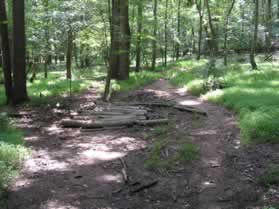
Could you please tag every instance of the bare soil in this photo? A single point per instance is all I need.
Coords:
(75, 169)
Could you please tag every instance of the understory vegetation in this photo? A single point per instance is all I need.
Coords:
(12, 152)
(253, 94)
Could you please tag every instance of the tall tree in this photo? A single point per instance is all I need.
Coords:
(166, 33)
(269, 27)
(213, 40)
(69, 54)
(47, 57)
(200, 7)
(120, 42)
(178, 29)
(226, 32)
(139, 35)
(154, 42)
(19, 54)
(255, 36)
(5, 51)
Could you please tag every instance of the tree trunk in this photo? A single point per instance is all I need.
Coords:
(139, 34)
(154, 42)
(255, 37)
(269, 27)
(121, 38)
(212, 30)
(5, 51)
(193, 41)
(200, 11)
(47, 47)
(213, 41)
(69, 54)
(166, 34)
(19, 54)
(107, 89)
(178, 29)
(226, 32)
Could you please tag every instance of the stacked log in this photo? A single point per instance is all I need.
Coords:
(111, 116)
(107, 116)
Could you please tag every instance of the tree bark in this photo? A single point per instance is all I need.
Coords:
(121, 38)
(178, 29)
(226, 32)
(212, 30)
(193, 41)
(19, 54)
(166, 34)
(47, 47)
(6, 52)
(139, 34)
(269, 27)
(69, 54)
(255, 36)
(154, 42)
(200, 11)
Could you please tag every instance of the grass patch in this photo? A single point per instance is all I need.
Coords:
(137, 80)
(186, 152)
(254, 95)
(271, 177)
(41, 90)
(12, 153)
(56, 85)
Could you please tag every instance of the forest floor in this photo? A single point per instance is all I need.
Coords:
(74, 169)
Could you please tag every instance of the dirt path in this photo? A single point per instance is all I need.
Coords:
(70, 169)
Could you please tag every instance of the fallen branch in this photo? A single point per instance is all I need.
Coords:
(178, 107)
(144, 186)
(124, 171)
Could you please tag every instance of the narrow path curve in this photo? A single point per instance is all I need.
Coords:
(212, 138)
(70, 169)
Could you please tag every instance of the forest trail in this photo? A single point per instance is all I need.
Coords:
(72, 169)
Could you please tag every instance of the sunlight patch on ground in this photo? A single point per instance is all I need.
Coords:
(128, 143)
(189, 102)
(49, 164)
(54, 129)
(102, 156)
(110, 178)
(54, 204)
(22, 183)
(206, 132)
(31, 138)
(181, 91)
(158, 93)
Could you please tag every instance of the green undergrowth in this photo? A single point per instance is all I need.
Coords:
(56, 85)
(271, 177)
(163, 155)
(43, 91)
(186, 152)
(137, 80)
(253, 94)
(12, 153)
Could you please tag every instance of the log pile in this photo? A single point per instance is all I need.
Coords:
(120, 115)
(111, 116)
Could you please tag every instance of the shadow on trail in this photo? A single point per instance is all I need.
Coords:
(71, 169)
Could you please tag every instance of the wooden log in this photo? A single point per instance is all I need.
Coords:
(88, 130)
(108, 118)
(178, 107)
(152, 122)
(69, 123)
